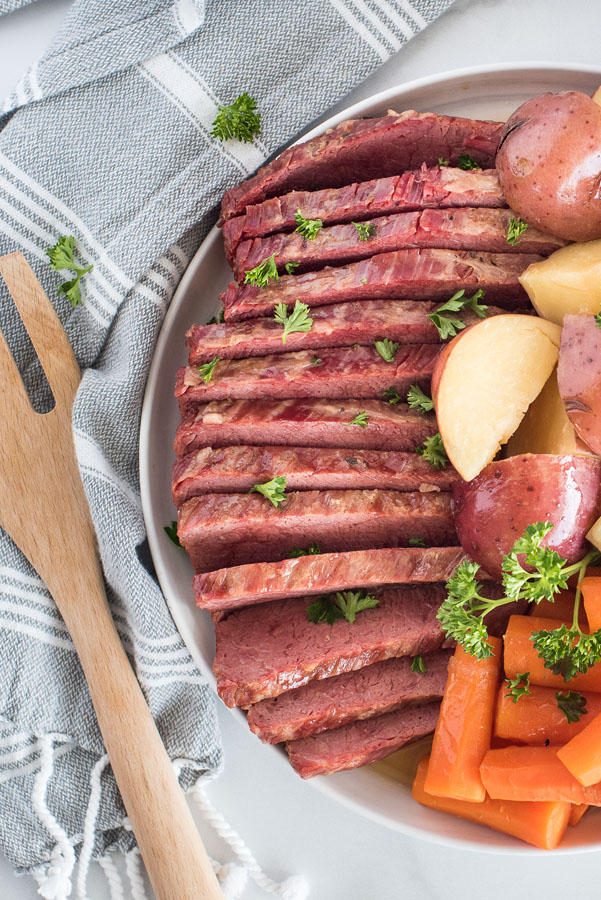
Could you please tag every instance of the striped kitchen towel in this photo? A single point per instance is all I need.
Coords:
(108, 138)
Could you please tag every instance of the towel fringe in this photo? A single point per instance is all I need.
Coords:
(134, 873)
(89, 828)
(115, 882)
(54, 880)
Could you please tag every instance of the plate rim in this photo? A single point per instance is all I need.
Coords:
(326, 784)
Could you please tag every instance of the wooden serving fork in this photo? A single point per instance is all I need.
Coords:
(42, 505)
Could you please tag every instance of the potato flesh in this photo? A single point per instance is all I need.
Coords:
(491, 377)
(568, 281)
(594, 535)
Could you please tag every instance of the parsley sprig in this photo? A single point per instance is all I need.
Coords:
(392, 396)
(295, 320)
(207, 369)
(311, 550)
(290, 267)
(262, 274)
(516, 228)
(171, 532)
(342, 605)
(365, 230)
(443, 162)
(434, 452)
(461, 614)
(361, 419)
(386, 349)
(239, 120)
(449, 326)
(307, 227)
(418, 400)
(518, 686)
(418, 664)
(62, 257)
(273, 490)
(466, 162)
(572, 704)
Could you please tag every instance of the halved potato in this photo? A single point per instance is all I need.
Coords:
(568, 281)
(579, 377)
(485, 380)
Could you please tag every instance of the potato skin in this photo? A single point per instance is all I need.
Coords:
(549, 164)
(579, 377)
(493, 510)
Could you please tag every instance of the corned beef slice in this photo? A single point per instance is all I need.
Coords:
(420, 189)
(454, 229)
(308, 423)
(221, 530)
(363, 742)
(262, 582)
(402, 274)
(361, 149)
(265, 650)
(231, 469)
(340, 325)
(342, 372)
(333, 702)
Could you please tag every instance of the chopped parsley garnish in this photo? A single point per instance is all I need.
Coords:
(206, 370)
(295, 320)
(307, 227)
(449, 326)
(61, 257)
(418, 400)
(239, 120)
(433, 451)
(360, 419)
(273, 490)
(572, 704)
(290, 267)
(443, 162)
(515, 230)
(466, 162)
(386, 349)
(518, 686)
(262, 274)
(365, 229)
(564, 651)
(392, 396)
(316, 361)
(312, 550)
(418, 665)
(171, 532)
(341, 605)
(417, 542)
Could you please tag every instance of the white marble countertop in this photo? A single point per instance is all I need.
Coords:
(291, 827)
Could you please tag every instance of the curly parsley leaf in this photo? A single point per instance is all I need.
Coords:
(61, 257)
(572, 704)
(466, 162)
(386, 349)
(417, 542)
(461, 612)
(548, 577)
(418, 400)
(449, 326)
(342, 604)
(295, 320)
(365, 230)
(290, 267)
(392, 396)
(433, 451)
(418, 665)
(361, 419)
(311, 550)
(518, 686)
(516, 228)
(273, 490)
(262, 274)
(206, 370)
(240, 120)
(323, 610)
(443, 162)
(568, 651)
(171, 532)
(307, 227)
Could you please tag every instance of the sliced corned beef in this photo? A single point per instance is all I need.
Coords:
(360, 149)
(333, 702)
(239, 586)
(453, 229)
(411, 274)
(437, 187)
(363, 742)
(339, 372)
(221, 530)
(307, 423)
(238, 468)
(339, 325)
(265, 650)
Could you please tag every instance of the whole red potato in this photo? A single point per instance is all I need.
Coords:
(549, 164)
(493, 510)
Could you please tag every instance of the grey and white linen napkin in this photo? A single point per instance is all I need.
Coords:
(107, 137)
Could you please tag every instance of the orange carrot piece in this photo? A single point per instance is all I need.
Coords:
(533, 774)
(537, 718)
(591, 595)
(464, 727)
(520, 656)
(562, 608)
(578, 810)
(582, 755)
(541, 824)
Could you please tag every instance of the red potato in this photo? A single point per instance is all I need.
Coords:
(549, 164)
(579, 377)
(493, 510)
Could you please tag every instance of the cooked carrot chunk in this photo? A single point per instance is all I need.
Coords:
(578, 810)
(582, 754)
(536, 717)
(520, 656)
(533, 773)
(591, 595)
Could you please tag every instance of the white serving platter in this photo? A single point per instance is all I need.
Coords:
(482, 92)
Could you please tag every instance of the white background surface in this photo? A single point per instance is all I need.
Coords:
(290, 827)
